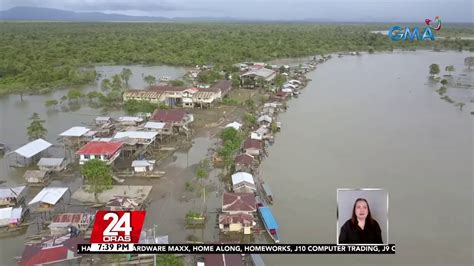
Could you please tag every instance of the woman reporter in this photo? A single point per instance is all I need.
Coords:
(361, 228)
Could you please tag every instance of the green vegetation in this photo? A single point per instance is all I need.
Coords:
(469, 61)
(126, 74)
(177, 83)
(449, 68)
(36, 129)
(250, 119)
(203, 169)
(444, 82)
(279, 80)
(150, 80)
(74, 94)
(231, 140)
(35, 56)
(168, 260)
(230, 101)
(51, 103)
(98, 175)
(434, 69)
(134, 106)
(442, 90)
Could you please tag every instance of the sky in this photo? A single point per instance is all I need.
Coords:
(328, 10)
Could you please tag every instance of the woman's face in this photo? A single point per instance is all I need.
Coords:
(361, 210)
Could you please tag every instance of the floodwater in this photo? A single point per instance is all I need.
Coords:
(376, 121)
(14, 115)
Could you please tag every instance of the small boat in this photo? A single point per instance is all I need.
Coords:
(164, 78)
(267, 192)
(270, 223)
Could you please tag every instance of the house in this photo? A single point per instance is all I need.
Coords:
(105, 151)
(36, 177)
(253, 147)
(48, 197)
(160, 127)
(123, 203)
(142, 166)
(188, 95)
(62, 222)
(102, 120)
(153, 96)
(257, 77)
(243, 182)
(224, 260)
(235, 203)
(10, 216)
(222, 88)
(261, 133)
(295, 82)
(141, 137)
(176, 117)
(281, 96)
(52, 164)
(129, 120)
(171, 95)
(270, 108)
(205, 99)
(236, 223)
(244, 162)
(264, 120)
(53, 250)
(30, 151)
(74, 132)
(234, 125)
(11, 196)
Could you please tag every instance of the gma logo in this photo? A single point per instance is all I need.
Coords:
(397, 33)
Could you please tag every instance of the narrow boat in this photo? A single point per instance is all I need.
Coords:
(267, 192)
(270, 223)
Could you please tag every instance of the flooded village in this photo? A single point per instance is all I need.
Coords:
(192, 164)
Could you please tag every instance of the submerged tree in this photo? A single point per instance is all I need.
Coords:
(51, 103)
(150, 80)
(126, 74)
(105, 84)
(98, 175)
(469, 61)
(449, 68)
(36, 129)
(434, 69)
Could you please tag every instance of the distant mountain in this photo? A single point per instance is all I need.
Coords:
(51, 14)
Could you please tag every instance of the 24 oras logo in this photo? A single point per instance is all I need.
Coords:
(117, 227)
(397, 33)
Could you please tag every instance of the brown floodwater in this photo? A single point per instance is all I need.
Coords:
(376, 121)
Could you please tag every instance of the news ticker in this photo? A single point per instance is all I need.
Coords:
(234, 248)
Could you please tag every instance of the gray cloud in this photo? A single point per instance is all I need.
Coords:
(335, 10)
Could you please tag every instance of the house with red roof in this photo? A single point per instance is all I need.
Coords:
(239, 222)
(244, 162)
(235, 203)
(253, 147)
(53, 250)
(177, 118)
(105, 151)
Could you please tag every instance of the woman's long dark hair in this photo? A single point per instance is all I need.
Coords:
(368, 219)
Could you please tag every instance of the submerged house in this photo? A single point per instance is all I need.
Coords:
(52, 164)
(36, 177)
(140, 137)
(129, 120)
(161, 128)
(143, 166)
(10, 216)
(177, 118)
(11, 196)
(253, 147)
(48, 197)
(236, 223)
(30, 152)
(244, 162)
(53, 251)
(243, 182)
(61, 223)
(257, 77)
(105, 151)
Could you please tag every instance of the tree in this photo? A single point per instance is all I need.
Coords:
(469, 61)
(250, 119)
(250, 104)
(117, 82)
(134, 106)
(74, 94)
(94, 95)
(105, 84)
(434, 69)
(450, 68)
(51, 103)
(177, 83)
(460, 105)
(203, 169)
(98, 175)
(126, 74)
(150, 80)
(36, 129)
(444, 82)
(235, 78)
(279, 80)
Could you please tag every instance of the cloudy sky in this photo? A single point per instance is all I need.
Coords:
(334, 10)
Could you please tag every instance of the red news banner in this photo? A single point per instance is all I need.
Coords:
(119, 232)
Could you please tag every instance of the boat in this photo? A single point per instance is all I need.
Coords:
(267, 192)
(270, 223)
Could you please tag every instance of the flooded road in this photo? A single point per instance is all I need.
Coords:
(376, 121)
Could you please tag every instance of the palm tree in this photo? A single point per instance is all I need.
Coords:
(126, 74)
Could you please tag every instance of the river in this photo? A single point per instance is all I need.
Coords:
(376, 121)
